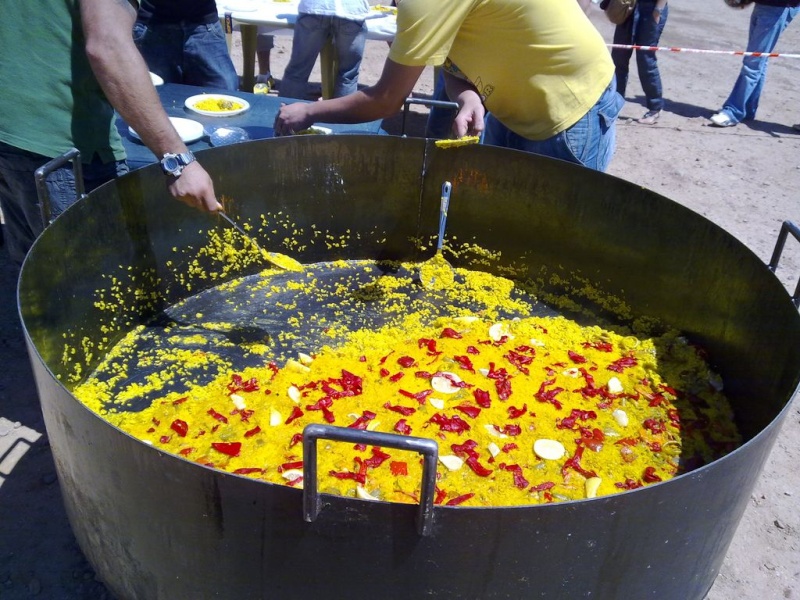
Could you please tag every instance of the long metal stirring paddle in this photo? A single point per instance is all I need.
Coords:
(281, 261)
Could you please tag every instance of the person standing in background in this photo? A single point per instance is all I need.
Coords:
(539, 67)
(80, 64)
(318, 20)
(182, 41)
(767, 22)
(642, 28)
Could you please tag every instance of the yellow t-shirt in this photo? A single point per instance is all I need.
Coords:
(539, 65)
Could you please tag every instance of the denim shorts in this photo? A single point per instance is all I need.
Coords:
(589, 142)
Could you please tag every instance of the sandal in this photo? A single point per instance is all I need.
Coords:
(722, 119)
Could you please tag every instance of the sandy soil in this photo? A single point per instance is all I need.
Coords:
(745, 179)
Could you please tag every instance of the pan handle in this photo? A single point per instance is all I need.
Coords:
(787, 228)
(40, 175)
(428, 448)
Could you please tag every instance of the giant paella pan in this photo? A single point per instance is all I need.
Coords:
(157, 524)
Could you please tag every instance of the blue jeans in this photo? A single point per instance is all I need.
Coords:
(640, 30)
(766, 25)
(589, 142)
(19, 200)
(189, 53)
(310, 34)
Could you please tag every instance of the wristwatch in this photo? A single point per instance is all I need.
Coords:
(173, 164)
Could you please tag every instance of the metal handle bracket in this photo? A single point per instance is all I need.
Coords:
(787, 228)
(427, 447)
(42, 172)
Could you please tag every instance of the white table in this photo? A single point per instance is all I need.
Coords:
(278, 18)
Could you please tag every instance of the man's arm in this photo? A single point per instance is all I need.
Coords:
(469, 119)
(125, 79)
(379, 101)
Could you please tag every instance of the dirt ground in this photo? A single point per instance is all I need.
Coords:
(745, 179)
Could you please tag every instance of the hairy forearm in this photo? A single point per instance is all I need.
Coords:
(123, 74)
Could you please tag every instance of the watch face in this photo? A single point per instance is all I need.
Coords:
(170, 163)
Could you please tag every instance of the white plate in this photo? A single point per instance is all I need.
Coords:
(190, 131)
(156, 79)
(192, 101)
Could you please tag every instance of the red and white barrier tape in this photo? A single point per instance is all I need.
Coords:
(696, 51)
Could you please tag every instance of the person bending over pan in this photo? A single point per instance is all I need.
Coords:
(532, 75)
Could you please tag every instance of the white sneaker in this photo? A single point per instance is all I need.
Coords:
(722, 119)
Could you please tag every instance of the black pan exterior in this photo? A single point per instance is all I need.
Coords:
(157, 526)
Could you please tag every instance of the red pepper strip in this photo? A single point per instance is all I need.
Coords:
(429, 344)
(295, 481)
(470, 411)
(322, 404)
(514, 413)
(419, 396)
(217, 416)
(296, 439)
(164, 439)
(472, 350)
(180, 427)
(253, 431)
(406, 361)
(650, 475)
(239, 385)
(628, 484)
(377, 459)
(654, 446)
(482, 398)
(229, 448)
(601, 346)
(402, 427)
(574, 416)
(655, 425)
(520, 361)
(186, 451)
(440, 496)
(423, 374)
(398, 468)
(549, 396)
(247, 471)
(180, 400)
(575, 357)
(541, 487)
(459, 499)
(296, 414)
(512, 430)
(454, 424)
(477, 468)
(383, 360)
(509, 447)
(519, 479)
(397, 377)
(245, 414)
(362, 421)
(623, 363)
(360, 476)
(297, 464)
(465, 449)
(574, 463)
(592, 438)
(502, 381)
(403, 410)
(272, 366)
(449, 332)
(384, 372)
(627, 442)
(465, 363)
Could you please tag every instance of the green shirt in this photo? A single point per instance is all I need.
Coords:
(50, 99)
